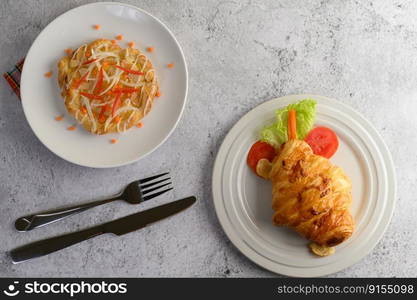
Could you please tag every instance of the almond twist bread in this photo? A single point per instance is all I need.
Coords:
(311, 195)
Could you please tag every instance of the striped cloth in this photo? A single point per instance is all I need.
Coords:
(13, 77)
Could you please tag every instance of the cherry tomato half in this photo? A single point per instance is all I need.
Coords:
(258, 151)
(323, 141)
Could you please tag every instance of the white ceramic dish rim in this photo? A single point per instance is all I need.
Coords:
(290, 270)
(29, 57)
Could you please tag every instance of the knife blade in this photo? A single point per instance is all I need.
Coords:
(119, 227)
(141, 219)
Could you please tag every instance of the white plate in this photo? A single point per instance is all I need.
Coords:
(42, 101)
(243, 200)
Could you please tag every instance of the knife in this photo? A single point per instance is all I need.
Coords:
(119, 227)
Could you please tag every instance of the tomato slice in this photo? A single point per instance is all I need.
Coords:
(258, 151)
(323, 141)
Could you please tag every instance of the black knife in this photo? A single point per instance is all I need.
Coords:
(119, 227)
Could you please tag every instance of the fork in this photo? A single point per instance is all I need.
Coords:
(134, 193)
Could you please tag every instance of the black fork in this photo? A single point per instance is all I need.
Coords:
(134, 193)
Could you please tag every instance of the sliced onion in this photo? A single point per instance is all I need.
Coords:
(90, 113)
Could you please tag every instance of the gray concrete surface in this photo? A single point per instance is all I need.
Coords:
(240, 54)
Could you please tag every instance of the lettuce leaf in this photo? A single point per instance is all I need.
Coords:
(276, 133)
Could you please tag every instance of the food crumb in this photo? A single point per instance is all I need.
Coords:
(59, 118)
(68, 51)
(72, 128)
(48, 74)
(96, 27)
(119, 37)
(150, 49)
(113, 141)
(131, 44)
(170, 66)
(139, 125)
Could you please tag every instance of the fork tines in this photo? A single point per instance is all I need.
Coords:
(147, 188)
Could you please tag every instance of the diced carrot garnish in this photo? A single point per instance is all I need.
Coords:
(139, 125)
(170, 66)
(113, 42)
(119, 37)
(87, 54)
(68, 51)
(59, 118)
(131, 44)
(158, 94)
(116, 119)
(96, 27)
(72, 128)
(113, 141)
(150, 49)
(83, 110)
(48, 74)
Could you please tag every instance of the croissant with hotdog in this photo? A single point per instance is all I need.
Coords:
(309, 193)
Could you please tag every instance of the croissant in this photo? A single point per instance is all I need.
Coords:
(311, 195)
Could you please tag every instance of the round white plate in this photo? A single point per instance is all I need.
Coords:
(243, 200)
(42, 101)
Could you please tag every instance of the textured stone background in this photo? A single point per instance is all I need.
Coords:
(240, 54)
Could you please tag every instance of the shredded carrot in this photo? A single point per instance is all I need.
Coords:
(113, 42)
(48, 74)
(139, 125)
(99, 84)
(96, 27)
(89, 61)
(158, 94)
(77, 84)
(129, 70)
(170, 66)
(59, 118)
(150, 49)
(113, 141)
(119, 37)
(72, 128)
(91, 96)
(131, 44)
(292, 124)
(116, 104)
(68, 51)
(117, 86)
(126, 90)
